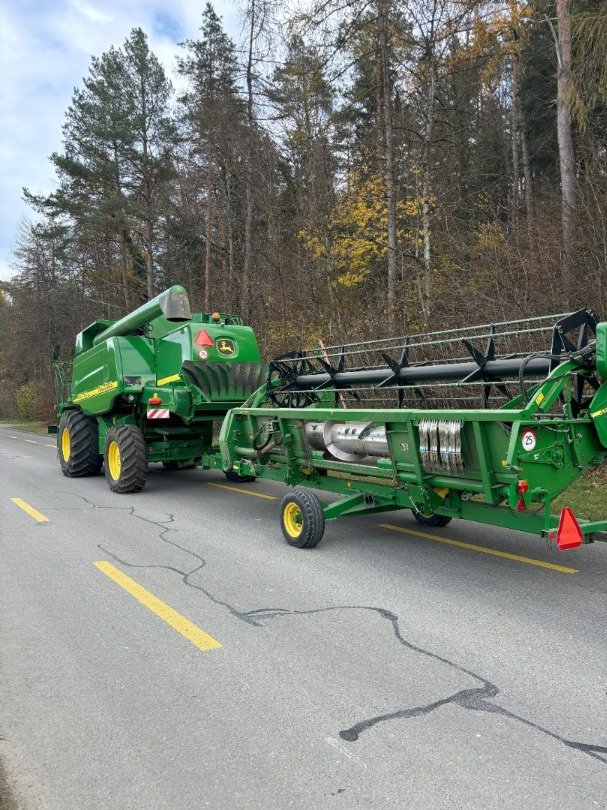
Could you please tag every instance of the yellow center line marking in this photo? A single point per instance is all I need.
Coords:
(30, 510)
(175, 620)
(244, 491)
(21, 439)
(482, 549)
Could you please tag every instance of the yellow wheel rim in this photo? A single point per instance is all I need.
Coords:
(114, 461)
(292, 519)
(66, 444)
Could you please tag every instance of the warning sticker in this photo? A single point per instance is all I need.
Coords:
(529, 440)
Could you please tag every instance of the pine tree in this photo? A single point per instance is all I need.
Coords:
(212, 116)
(149, 149)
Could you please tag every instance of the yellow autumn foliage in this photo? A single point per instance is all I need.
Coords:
(355, 239)
(498, 34)
(490, 236)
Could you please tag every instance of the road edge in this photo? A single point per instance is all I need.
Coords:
(8, 800)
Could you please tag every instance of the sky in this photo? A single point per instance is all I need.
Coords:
(45, 51)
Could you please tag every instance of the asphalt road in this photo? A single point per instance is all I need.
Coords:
(206, 663)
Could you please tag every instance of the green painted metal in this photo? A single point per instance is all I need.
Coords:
(162, 357)
(203, 369)
(497, 459)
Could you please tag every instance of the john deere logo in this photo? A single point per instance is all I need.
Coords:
(226, 347)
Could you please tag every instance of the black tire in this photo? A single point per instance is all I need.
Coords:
(431, 520)
(78, 445)
(231, 475)
(302, 518)
(178, 465)
(126, 462)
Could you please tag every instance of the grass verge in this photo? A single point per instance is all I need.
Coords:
(587, 496)
(29, 427)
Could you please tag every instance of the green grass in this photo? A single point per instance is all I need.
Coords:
(29, 427)
(587, 496)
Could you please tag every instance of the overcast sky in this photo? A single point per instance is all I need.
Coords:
(45, 51)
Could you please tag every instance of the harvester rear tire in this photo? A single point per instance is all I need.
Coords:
(302, 518)
(237, 477)
(77, 442)
(126, 462)
(431, 520)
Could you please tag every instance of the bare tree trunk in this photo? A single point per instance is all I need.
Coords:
(124, 270)
(516, 172)
(149, 262)
(230, 234)
(426, 185)
(529, 206)
(522, 137)
(124, 265)
(207, 258)
(389, 151)
(149, 227)
(223, 241)
(565, 142)
(248, 224)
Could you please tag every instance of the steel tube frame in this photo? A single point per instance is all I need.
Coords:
(493, 369)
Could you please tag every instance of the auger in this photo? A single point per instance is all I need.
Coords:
(487, 424)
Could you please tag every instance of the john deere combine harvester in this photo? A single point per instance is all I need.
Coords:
(488, 424)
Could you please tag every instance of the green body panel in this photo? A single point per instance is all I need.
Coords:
(100, 375)
(601, 350)
(195, 366)
(598, 412)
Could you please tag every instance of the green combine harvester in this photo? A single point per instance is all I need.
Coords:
(488, 424)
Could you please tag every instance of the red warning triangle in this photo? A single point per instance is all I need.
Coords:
(203, 339)
(569, 534)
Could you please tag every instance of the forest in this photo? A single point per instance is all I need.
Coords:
(347, 170)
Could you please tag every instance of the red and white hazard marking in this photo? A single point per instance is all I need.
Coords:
(158, 413)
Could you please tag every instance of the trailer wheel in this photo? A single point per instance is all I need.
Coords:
(431, 520)
(77, 443)
(126, 463)
(302, 518)
(237, 477)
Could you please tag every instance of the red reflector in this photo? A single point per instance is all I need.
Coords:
(569, 534)
(522, 486)
(154, 400)
(203, 339)
(520, 507)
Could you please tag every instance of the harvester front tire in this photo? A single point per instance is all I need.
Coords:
(302, 518)
(431, 520)
(126, 462)
(77, 438)
(237, 477)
